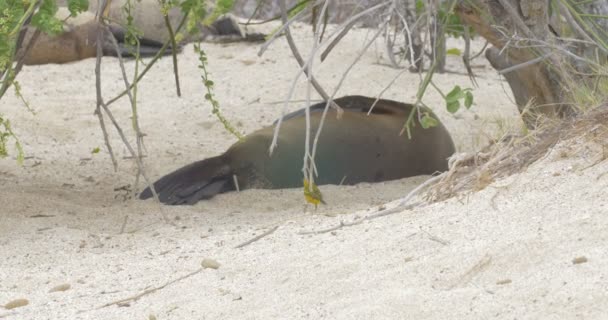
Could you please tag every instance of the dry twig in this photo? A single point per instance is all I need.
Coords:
(148, 291)
(256, 238)
(401, 206)
(101, 105)
(173, 53)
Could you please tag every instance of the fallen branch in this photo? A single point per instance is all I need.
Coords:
(256, 238)
(148, 291)
(402, 206)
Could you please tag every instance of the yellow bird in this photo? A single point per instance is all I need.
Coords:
(312, 193)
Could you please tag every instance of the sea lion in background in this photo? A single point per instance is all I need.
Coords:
(355, 148)
(148, 19)
(79, 41)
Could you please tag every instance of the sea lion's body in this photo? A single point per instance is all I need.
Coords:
(78, 41)
(147, 18)
(354, 148)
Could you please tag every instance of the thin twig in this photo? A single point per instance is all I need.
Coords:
(295, 6)
(304, 69)
(296, 53)
(236, 183)
(139, 163)
(346, 73)
(308, 166)
(276, 35)
(390, 84)
(566, 7)
(525, 64)
(408, 32)
(402, 206)
(124, 224)
(101, 105)
(435, 238)
(338, 86)
(174, 54)
(378, 214)
(149, 291)
(466, 56)
(256, 238)
(346, 26)
(99, 98)
(133, 101)
(521, 25)
(7, 78)
(158, 55)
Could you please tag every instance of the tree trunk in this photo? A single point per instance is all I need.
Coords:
(539, 87)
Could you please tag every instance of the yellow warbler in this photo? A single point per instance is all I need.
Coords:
(312, 194)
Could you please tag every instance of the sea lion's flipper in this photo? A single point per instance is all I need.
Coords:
(200, 180)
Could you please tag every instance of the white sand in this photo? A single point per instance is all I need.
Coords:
(506, 252)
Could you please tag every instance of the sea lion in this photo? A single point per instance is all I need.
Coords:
(148, 19)
(78, 41)
(354, 148)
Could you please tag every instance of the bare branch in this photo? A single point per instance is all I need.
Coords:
(149, 291)
(99, 98)
(401, 206)
(256, 238)
(159, 54)
(347, 25)
(174, 53)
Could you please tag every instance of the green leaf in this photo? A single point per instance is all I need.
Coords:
(45, 19)
(189, 5)
(468, 99)
(453, 106)
(427, 121)
(196, 10)
(454, 95)
(77, 6)
(95, 150)
(454, 52)
(420, 7)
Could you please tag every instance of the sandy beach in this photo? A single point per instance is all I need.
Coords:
(76, 244)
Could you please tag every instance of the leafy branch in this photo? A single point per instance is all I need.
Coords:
(208, 83)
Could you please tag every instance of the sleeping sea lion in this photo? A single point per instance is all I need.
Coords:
(355, 148)
(148, 18)
(78, 42)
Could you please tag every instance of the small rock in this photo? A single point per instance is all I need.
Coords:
(210, 264)
(579, 260)
(61, 287)
(16, 304)
(505, 281)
